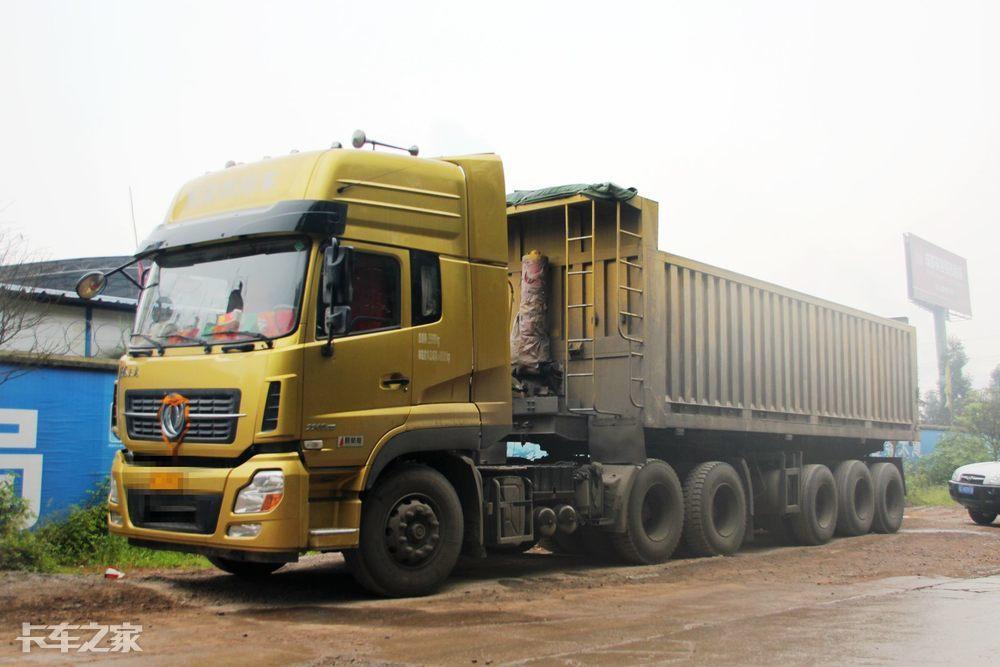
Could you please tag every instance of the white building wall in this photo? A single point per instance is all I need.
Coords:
(64, 331)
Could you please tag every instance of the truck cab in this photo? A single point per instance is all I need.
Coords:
(304, 322)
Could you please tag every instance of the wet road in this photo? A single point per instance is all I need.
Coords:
(928, 595)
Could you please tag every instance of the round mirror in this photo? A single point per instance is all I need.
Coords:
(91, 284)
(358, 138)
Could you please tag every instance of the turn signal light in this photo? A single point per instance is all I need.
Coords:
(262, 494)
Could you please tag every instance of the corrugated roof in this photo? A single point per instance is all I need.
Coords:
(61, 275)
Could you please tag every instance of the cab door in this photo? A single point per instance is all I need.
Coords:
(353, 398)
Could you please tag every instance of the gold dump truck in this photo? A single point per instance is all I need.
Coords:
(386, 356)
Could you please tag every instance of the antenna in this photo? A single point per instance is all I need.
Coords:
(131, 207)
(358, 139)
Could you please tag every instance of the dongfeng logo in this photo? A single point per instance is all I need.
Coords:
(174, 417)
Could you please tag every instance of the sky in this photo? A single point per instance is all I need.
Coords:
(795, 141)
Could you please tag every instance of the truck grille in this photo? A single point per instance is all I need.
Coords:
(179, 512)
(206, 409)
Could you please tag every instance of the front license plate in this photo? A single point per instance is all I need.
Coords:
(966, 490)
(166, 481)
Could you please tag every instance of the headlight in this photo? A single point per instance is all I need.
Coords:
(955, 475)
(262, 494)
(113, 493)
(992, 478)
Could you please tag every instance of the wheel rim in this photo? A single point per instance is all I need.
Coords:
(412, 531)
(725, 510)
(825, 505)
(862, 499)
(655, 517)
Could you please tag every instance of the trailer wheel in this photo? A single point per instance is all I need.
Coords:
(244, 569)
(983, 518)
(654, 516)
(411, 533)
(715, 518)
(817, 518)
(889, 498)
(855, 498)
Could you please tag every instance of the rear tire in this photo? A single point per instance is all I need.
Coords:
(654, 516)
(889, 498)
(244, 569)
(855, 498)
(715, 517)
(411, 533)
(817, 518)
(983, 518)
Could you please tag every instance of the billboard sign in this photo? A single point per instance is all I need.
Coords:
(936, 277)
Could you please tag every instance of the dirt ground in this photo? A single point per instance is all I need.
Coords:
(913, 596)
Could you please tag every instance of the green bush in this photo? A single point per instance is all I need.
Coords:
(953, 450)
(19, 548)
(77, 538)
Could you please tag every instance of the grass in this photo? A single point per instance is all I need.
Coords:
(928, 494)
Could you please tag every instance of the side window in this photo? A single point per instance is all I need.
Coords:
(425, 269)
(375, 304)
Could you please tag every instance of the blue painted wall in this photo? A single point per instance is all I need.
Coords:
(56, 443)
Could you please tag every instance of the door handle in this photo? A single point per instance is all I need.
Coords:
(395, 381)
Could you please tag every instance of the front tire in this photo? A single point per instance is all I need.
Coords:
(889, 498)
(654, 516)
(817, 517)
(855, 498)
(244, 569)
(715, 518)
(983, 518)
(411, 534)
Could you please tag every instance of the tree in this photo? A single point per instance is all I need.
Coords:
(21, 308)
(953, 450)
(936, 410)
(981, 414)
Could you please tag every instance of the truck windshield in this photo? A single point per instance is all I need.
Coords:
(248, 290)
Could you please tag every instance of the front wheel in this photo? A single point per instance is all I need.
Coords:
(411, 533)
(244, 569)
(983, 518)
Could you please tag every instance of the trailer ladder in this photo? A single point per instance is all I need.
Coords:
(587, 306)
(631, 309)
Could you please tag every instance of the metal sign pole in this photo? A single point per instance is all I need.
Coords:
(941, 340)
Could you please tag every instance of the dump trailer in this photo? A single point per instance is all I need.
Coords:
(336, 350)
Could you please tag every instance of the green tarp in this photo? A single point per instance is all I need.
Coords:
(608, 191)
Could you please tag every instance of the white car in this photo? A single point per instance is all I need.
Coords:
(977, 487)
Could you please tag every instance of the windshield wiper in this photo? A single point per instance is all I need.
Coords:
(251, 334)
(193, 339)
(152, 341)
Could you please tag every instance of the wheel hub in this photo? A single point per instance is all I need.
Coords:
(412, 532)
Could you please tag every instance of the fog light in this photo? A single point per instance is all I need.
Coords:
(262, 494)
(113, 493)
(115, 519)
(243, 530)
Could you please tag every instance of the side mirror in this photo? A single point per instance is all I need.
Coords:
(91, 284)
(338, 261)
(337, 291)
